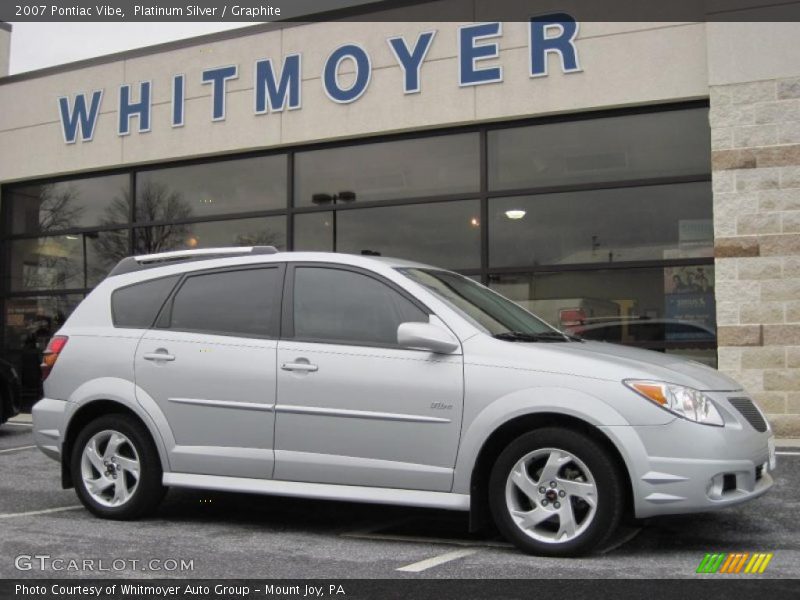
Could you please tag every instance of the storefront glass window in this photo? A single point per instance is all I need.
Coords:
(388, 170)
(658, 222)
(104, 249)
(48, 263)
(602, 225)
(607, 149)
(265, 231)
(446, 234)
(313, 232)
(224, 187)
(668, 309)
(30, 322)
(49, 207)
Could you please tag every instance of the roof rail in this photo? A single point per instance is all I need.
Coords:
(149, 261)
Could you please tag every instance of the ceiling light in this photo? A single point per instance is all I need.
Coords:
(515, 214)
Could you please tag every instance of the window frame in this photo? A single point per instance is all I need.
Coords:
(287, 312)
(163, 321)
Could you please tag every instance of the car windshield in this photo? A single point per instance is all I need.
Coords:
(489, 310)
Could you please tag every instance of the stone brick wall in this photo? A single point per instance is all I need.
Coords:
(755, 138)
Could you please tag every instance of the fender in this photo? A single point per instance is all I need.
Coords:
(125, 393)
(525, 402)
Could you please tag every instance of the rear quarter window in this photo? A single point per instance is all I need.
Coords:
(136, 306)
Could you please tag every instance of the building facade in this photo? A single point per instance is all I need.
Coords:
(632, 182)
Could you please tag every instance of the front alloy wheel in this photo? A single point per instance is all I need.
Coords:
(556, 492)
(551, 495)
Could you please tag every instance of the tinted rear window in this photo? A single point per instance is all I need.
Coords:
(242, 303)
(137, 306)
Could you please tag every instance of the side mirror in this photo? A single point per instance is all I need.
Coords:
(426, 336)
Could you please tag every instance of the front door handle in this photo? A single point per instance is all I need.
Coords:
(299, 366)
(159, 356)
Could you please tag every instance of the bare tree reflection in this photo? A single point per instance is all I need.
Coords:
(261, 238)
(57, 260)
(155, 202)
(57, 207)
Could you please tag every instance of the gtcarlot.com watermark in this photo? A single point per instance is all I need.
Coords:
(46, 562)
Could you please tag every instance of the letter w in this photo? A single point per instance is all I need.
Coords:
(79, 117)
(270, 94)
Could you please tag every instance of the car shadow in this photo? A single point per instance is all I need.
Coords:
(739, 528)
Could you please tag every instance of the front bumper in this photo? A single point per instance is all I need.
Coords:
(687, 486)
(685, 467)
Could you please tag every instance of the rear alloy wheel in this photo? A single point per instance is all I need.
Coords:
(110, 468)
(555, 492)
(116, 468)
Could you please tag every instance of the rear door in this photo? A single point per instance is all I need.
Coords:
(209, 365)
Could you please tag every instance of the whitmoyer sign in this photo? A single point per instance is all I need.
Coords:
(278, 87)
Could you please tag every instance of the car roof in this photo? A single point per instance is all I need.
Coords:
(141, 268)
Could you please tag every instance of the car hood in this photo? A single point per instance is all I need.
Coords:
(656, 365)
(599, 360)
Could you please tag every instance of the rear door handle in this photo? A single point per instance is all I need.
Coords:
(299, 366)
(159, 356)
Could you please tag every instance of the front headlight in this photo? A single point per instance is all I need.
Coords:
(680, 400)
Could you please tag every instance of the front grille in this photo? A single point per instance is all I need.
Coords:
(749, 412)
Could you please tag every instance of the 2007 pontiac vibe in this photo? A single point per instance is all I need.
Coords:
(370, 379)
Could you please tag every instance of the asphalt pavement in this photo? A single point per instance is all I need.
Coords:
(223, 535)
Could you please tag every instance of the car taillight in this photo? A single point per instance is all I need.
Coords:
(51, 353)
(571, 317)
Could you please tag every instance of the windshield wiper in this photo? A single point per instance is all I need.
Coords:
(521, 336)
(559, 335)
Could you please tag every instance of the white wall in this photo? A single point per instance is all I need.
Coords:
(741, 52)
(623, 64)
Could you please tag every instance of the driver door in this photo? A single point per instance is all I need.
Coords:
(354, 407)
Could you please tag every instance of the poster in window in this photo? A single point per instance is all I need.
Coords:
(689, 305)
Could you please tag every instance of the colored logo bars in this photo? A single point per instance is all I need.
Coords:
(737, 562)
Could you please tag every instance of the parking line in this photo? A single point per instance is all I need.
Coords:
(45, 511)
(23, 418)
(7, 450)
(414, 539)
(19, 424)
(784, 453)
(429, 563)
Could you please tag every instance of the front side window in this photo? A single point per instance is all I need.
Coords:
(487, 309)
(339, 306)
(241, 303)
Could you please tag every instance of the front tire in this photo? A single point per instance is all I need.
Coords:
(556, 492)
(116, 468)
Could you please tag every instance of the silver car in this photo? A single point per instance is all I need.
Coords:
(367, 379)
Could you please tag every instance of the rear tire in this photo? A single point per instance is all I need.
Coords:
(116, 468)
(556, 492)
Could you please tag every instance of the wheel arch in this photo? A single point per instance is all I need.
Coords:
(519, 425)
(91, 410)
